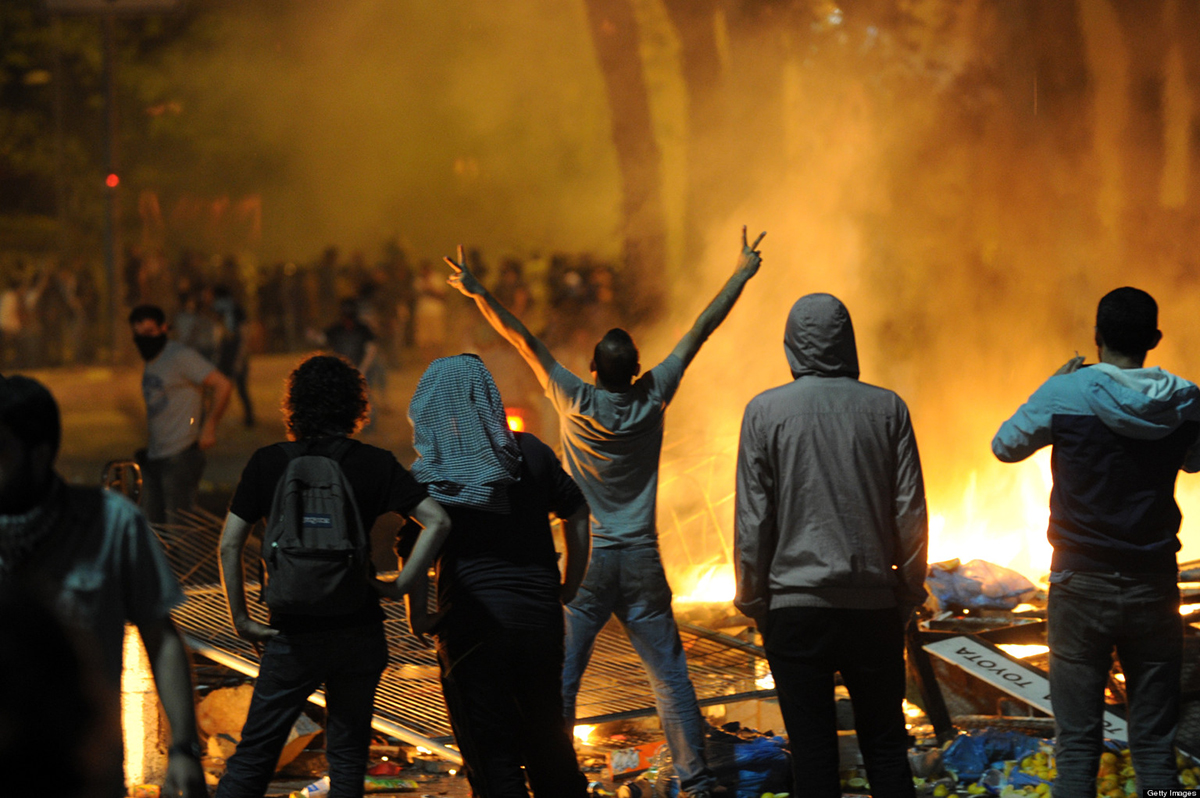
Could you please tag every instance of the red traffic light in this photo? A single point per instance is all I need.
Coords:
(112, 181)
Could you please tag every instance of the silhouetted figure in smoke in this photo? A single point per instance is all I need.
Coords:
(512, 292)
(350, 337)
(429, 313)
(612, 436)
(1121, 433)
(233, 355)
(195, 325)
(831, 534)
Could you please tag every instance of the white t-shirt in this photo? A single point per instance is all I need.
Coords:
(171, 386)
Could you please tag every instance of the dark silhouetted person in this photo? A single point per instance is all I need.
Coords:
(233, 352)
(91, 556)
(500, 636)
(325, 404)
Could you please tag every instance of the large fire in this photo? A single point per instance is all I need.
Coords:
(1005, 525)
(999, 515)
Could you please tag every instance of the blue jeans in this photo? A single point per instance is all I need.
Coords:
(349, 663)
(630, 584)
(1089, 614)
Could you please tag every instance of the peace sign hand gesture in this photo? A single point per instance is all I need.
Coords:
(751, 258)
(462, 279)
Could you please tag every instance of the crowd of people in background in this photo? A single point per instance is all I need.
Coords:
(228, 307)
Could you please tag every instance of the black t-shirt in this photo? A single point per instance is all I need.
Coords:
(502, 570)
(380, 484)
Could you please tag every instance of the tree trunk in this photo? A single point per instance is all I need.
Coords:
(615, 34)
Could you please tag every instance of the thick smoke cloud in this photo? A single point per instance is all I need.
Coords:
(969, 177)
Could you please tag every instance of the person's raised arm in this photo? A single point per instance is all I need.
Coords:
(173, 679)
(578, 539)
(233, 541)
(514, 331)
(712, 316)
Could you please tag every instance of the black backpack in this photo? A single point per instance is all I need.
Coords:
(315, 550)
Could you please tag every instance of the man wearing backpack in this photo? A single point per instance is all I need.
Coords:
(326, 623)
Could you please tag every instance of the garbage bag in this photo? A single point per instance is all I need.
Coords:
(977, 585)
(745, 767)
(970, 755)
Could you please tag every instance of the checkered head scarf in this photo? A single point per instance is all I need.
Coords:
(466, 454)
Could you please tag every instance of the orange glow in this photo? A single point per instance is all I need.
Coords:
(516, 422)
(1004, 523)
(713, 584)
(112, 181)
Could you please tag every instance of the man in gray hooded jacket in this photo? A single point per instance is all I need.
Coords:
(1121, 433)
(831, 533)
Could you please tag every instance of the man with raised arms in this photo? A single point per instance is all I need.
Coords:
(612, 435)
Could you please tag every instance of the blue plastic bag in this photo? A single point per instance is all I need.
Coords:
(746, 768)
(969, 755)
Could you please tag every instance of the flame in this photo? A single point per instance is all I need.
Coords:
(763, 678)
(1005, 525)
(583, 732)
(714, 584)
(516, 422)
(1022, 651)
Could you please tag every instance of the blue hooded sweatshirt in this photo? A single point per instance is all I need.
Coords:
(1120, 437)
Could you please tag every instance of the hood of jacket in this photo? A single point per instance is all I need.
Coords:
(819, 338)
(1146, 403)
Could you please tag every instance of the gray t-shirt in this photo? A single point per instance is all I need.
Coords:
(611, 444)
(171, 386)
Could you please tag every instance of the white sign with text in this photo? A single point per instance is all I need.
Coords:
(1011, 675)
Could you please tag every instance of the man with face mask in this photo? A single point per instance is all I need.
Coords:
(180, 427)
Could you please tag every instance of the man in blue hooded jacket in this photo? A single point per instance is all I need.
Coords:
(1121, 433)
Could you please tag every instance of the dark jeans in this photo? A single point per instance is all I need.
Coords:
(804, 646)
(503, 689)
(170, 484)
(1138, 614)
(349, 663)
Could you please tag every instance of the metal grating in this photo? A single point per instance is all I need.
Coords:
(409, 701)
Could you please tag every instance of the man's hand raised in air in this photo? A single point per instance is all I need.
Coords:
(532, 350)
(462, 279)
(747, 266)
